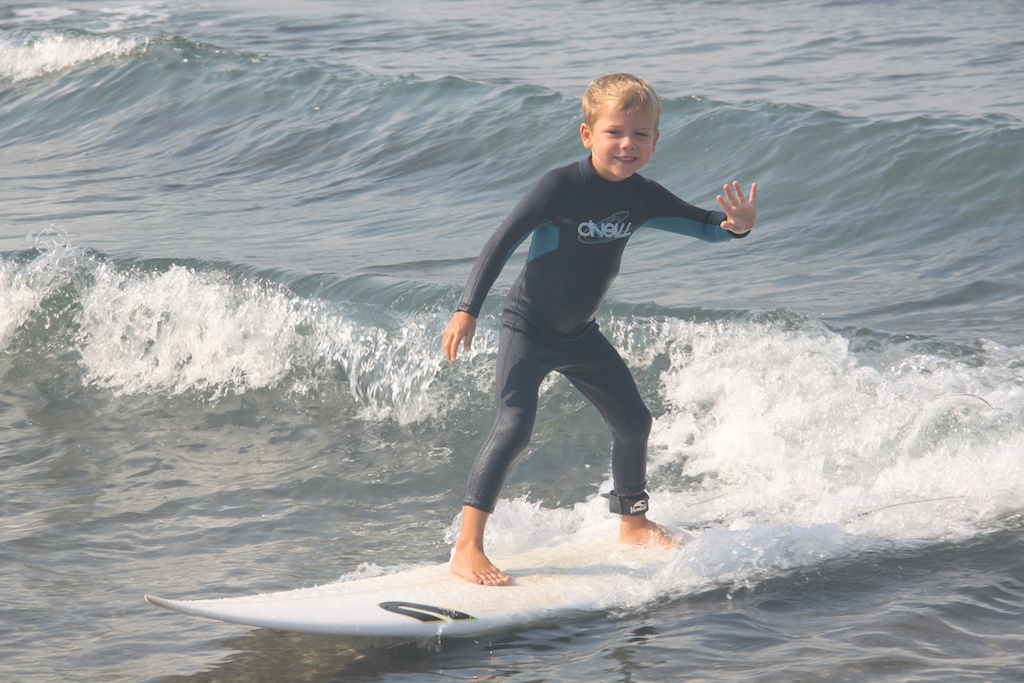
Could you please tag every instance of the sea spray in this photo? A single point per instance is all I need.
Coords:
(28, 54)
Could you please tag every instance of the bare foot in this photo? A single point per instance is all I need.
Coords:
(471, 564)
(639, 530)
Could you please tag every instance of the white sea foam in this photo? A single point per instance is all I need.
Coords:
(188, 331)
(20, 299)
(27, 56)
(181, 330)
(25, 285)
(793, 427)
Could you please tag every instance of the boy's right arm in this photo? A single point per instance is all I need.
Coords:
(460, 330)
(517, 226)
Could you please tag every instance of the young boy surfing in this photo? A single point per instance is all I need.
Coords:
(581, 217)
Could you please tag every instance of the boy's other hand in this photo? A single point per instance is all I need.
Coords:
(740, 211)
(460, 330)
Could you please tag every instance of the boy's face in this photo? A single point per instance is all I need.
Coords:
(621, 142)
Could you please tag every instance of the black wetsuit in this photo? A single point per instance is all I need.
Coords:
(580, 224)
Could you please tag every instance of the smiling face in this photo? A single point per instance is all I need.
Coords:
(620, 142)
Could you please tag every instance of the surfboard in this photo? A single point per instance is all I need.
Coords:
(429, 601)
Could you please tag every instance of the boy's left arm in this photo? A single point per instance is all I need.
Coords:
(740, 210)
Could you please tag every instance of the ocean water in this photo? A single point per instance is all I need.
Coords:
(232, 232)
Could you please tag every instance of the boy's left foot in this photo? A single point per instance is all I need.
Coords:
(639, 530)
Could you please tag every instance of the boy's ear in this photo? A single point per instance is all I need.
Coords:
(586, 135)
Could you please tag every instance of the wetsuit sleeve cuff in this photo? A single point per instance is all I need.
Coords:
(466, 308)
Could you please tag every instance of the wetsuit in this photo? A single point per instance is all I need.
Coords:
(580, 224)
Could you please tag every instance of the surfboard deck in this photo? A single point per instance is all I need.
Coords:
(429, 601)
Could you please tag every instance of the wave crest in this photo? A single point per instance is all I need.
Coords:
(25, 55)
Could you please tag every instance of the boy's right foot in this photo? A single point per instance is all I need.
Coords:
(472, 565)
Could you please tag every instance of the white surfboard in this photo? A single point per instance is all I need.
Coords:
(429, 601)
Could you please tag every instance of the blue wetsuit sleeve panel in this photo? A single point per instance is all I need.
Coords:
(526, 217)
(670, 213)
(708, 229)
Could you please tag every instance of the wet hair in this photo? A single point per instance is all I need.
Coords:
(621, 92)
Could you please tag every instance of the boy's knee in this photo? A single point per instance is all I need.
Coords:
(640, 423)
(513, 436)
(632, 432)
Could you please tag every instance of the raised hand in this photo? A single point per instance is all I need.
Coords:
(740, 210)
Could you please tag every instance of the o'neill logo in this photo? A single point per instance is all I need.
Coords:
(612, 228)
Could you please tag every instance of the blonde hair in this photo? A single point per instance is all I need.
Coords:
(621, 92)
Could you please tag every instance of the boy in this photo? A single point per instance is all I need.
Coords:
(581, 217)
